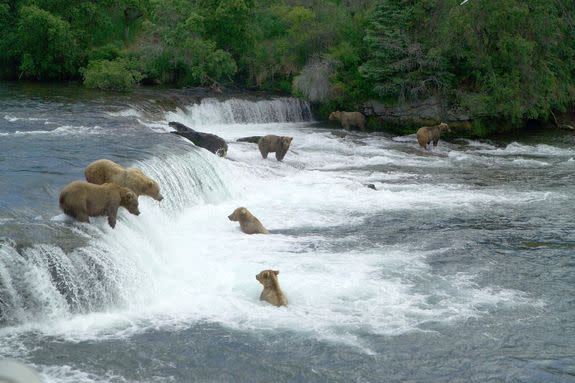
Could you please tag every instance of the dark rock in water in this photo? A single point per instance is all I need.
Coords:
(252, 139)
(371, 186)
(211, 142)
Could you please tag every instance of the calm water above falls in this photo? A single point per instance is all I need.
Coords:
(459, 267)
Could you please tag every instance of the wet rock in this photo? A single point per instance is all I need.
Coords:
(251, 139)
(211, 142)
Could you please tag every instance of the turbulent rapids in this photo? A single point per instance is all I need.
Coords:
(449, 245)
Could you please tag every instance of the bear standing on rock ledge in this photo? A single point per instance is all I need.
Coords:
(278, 144)
(82, 200)
(428, 134)
(102, 171)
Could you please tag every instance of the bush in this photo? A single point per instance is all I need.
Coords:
(46, 44)
(110, 75)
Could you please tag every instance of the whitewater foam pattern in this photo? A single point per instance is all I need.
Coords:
(183, 261)
(238, 111)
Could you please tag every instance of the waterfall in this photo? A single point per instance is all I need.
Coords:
(211, 111)
(106, 267)
(45, 282)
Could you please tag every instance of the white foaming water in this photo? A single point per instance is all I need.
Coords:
(238, 111)
(10, 118)
(530, 150)
(62, 130)
(182, 260)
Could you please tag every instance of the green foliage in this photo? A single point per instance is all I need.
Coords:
(176, 49)
(507, 60)
(401, 63)
(501, 62)
(517, 56)
(47, 45)
(117, 75)
(229, 26)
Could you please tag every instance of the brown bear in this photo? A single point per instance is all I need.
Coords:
(272, 292)
(349, 119)
(271, 143)
(82, 200)
(102, 171)
(428, 134)
(248, 223)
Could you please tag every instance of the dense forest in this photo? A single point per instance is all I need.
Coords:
(493, 60)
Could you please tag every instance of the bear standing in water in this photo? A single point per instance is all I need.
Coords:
(248, 223)
(349, 119)
(102, 171)
(278, 144)
(82, 200)
(272, 292)
(428, 134)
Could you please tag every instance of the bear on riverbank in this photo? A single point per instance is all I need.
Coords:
(248, 223)
(272, 292)
(428, 134)
(349, 119)
(82, 200)
(278, 144)
(102, 171)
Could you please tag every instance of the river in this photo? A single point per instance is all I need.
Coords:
(459, 267)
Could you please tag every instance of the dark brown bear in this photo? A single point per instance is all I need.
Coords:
(271, 143)
(82, 200)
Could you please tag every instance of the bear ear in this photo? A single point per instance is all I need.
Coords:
(276, 272)
(150, 183)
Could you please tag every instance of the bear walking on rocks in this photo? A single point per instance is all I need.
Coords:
(278, 144)
(349, 119)
(248, 223)
(102, 171)
(82, 200)
(428, 134)
(272, 292)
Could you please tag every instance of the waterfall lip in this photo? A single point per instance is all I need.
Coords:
(232, 111)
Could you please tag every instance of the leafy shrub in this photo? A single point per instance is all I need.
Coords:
(111, 75)
(46, 44)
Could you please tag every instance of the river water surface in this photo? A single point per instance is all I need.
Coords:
(460, 267)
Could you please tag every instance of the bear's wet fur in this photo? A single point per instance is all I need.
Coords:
(211, 142)
(272, 143)
(272, 292)
(248, 223)
(349, 119)
(427, 134)
(82, 200)
(103, 171)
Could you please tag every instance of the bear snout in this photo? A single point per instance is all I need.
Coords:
(159, 197)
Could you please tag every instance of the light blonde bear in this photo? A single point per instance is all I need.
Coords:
(102, 171)
(248, 223)
(272, 292)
